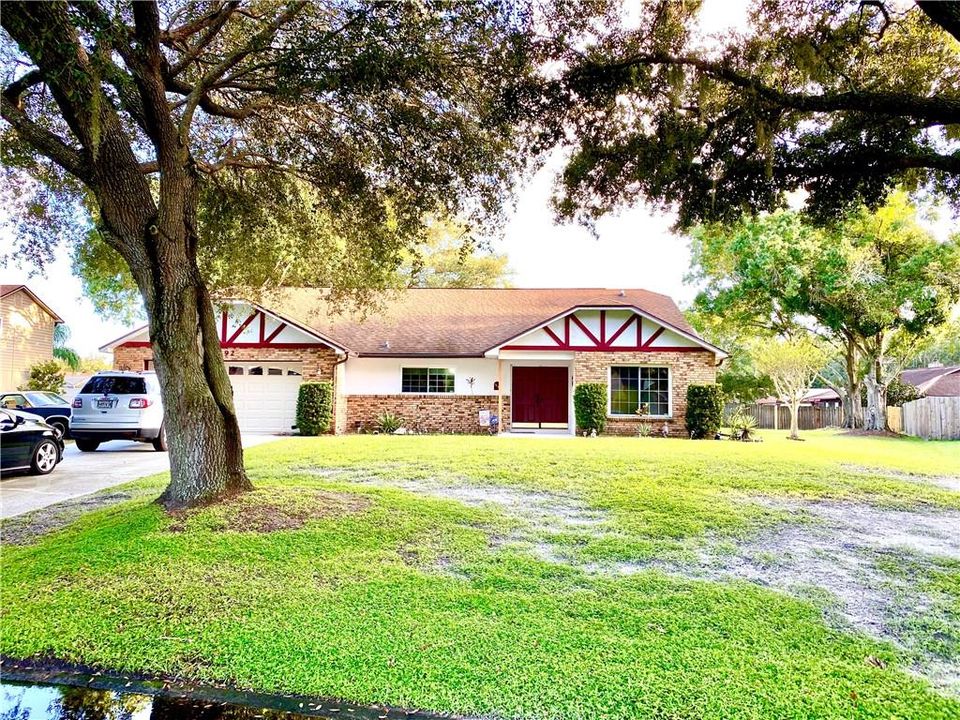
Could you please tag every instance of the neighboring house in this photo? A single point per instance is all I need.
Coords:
(935, 381)
(818, 397)
(445, 359)
(26, 334)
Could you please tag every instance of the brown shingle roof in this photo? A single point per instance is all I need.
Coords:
(449, 322)
(934, 381)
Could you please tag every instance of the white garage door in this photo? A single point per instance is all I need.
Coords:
(265, 395)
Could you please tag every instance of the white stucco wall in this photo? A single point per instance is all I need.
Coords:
(382, 376)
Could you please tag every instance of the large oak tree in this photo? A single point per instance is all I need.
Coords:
(843, 99)
(355, 119)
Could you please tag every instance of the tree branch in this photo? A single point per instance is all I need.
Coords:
(50, 145)
(257, 42)
(944, 14)
(942, 110)
(218, 19)
(219, 14)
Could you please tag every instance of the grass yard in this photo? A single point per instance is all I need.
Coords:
(530, 578)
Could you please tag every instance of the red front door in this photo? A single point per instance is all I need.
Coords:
(540, 396)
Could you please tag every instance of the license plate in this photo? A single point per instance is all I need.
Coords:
(104, 404)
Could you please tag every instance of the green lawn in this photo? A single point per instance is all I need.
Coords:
(386, 581)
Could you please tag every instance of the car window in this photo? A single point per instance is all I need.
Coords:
(57, 399)
(13, 401)
(41, 400)
(111, 385)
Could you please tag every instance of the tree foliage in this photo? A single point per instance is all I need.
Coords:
(249, 145)
(451, 257)
(875, 284)
(47, 376)
(843, 99)
(791, 365)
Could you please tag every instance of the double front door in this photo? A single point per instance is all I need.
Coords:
(540, 397)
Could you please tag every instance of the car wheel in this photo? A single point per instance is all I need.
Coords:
(160, 444)
(87, 445)
(60, 426)
(45, 457)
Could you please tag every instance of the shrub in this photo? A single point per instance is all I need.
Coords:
(899, 392)
(389, 423)
(644, 430)
(47, 376)
(741, 425)
(704, 410)
(314, 407)
(590, 404)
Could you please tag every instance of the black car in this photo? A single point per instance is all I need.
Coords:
(27, 444)
(54, 409)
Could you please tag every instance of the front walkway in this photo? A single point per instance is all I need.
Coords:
(114, 463)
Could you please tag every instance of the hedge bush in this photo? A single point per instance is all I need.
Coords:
(47, 376)
(314, 407)
(899, 392)
(704, 410)
(590, 404)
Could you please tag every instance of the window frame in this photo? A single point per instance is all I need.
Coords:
(619, 416)
(451, 371)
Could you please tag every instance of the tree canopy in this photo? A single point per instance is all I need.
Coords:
(841, 99)
(876, 284)
(247, 144)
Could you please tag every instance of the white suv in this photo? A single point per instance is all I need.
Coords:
(118, 405)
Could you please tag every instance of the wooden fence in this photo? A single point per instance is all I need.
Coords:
(810, 417)
(932, 418)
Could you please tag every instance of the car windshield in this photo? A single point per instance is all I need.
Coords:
(114, 385)
(38, 399)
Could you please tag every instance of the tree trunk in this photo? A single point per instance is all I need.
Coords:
(852, 405)
(794, 420)
(206, 456)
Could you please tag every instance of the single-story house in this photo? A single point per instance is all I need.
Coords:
(935, 380)
(817, 397)
(446, 359)
(26, 334)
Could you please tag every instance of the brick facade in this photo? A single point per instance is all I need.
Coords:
(319, 363)
(459, 413)
(686, 368)
(426, 413)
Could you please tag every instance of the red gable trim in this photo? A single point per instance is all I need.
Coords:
(658, 333)
(569, 314)
(619, 348)
(243, 326)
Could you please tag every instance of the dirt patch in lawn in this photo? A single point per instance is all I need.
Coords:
(947, 482)
(269, 510)
(868, 568)
(27, 528)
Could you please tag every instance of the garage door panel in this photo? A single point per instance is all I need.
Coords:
(265, 403)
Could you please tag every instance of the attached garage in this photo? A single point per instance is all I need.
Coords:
(265, 394)
(266, 356)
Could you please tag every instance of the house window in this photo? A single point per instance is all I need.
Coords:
(235, 370)
(255, 371)
(633, 387)
(274, 371)
(427, 380)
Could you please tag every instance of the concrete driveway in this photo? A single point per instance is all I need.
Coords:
(114, 463)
